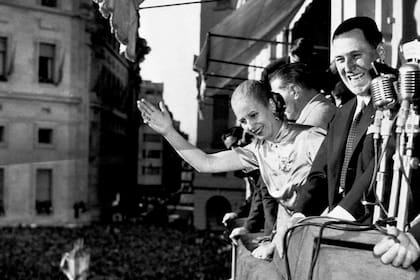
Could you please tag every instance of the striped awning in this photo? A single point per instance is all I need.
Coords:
(233, 43)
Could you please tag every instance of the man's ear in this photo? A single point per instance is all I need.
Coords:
(295, 90)
(380, 49)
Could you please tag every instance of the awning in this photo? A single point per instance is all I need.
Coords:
(257, 19)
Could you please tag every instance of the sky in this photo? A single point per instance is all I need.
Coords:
(172, 33)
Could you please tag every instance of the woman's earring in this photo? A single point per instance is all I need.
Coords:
(276, 115)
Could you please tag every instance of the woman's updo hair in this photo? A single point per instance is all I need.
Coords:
(260, 92)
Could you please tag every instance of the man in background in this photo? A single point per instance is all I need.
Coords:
(296, 83)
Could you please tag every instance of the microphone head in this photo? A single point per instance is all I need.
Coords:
(409, 81)
(383, 91)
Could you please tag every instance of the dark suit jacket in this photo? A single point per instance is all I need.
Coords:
(321, 188)
(263, 212)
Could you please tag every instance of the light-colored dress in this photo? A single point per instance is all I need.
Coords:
(284, 163)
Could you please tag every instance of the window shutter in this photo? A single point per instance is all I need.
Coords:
(59, 65)
(10, 57)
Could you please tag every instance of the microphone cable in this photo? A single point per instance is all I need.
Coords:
(336, 224)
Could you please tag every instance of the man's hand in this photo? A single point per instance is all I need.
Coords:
(236, 233)
(229, 216)
(402, 253)
(264, 251)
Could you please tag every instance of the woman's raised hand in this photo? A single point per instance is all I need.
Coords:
(159, 120)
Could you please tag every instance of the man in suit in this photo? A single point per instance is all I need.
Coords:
(295, 82)
(341, 172)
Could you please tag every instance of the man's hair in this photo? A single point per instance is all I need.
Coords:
(367, 25)
(296, 73)
(235, 131)
(302, 48)
(259, 91)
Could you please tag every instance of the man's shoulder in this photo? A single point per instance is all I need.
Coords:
(319, 112)
(320, 102)
(303, 130)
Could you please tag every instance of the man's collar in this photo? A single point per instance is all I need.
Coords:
(365, 99)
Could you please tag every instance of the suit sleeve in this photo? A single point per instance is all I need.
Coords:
(254, 221)
(323, 117)
(415, 231)
(270, 207)
(312, 197)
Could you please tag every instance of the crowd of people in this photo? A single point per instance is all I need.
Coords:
(138, 251)
(314, 158)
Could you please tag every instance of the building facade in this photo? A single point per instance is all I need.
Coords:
(159, 166)
(215, 194)
(66, 111)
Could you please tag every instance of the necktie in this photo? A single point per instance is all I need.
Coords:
(349, 147)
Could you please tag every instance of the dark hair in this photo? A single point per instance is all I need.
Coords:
(302, 48)
(367, 25)
(259, 91)
(296, 73)
(235, 131)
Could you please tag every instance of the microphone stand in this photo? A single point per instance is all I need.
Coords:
(408, 163)
(394, 201)
(385, 133)
(396, 174)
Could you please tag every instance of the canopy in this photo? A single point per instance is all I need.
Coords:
(257, 19)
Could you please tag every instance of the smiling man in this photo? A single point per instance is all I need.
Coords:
(343, 167)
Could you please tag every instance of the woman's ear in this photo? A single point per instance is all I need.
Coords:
(272, 105)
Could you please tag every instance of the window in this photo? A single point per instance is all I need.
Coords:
(153, 154)
(43, 198)
(151, 170)
(46, 62)
(45, 136)
(1, 134)
(49, 3)
(219, 174)
(225, 5)
(3, 58)
(148, 137)
(187, 187)
(1, 191)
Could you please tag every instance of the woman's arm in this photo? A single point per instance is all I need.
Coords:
(161, 122)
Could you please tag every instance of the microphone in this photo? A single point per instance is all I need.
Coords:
(383, 91)
(409, 87)
(384, 97)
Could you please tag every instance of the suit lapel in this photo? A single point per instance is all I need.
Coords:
(342, 126)
(338, 139)
(365, 121)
